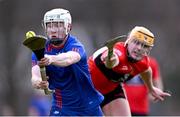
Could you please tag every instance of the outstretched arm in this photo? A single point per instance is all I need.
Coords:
(147, 78)
(62, 59)
(157, 93)
(111, 59)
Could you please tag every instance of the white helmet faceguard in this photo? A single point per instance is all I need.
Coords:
(58, 15)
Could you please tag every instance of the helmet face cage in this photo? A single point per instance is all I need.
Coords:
(137, 49)
(56, 30)
(144, 49)
(140, 42)
(58, 15)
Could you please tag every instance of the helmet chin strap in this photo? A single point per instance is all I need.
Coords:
(56, 41)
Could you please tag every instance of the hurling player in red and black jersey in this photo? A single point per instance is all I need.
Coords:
(128, 59)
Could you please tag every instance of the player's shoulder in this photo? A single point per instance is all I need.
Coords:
(120, 45)
(153, 63)
(71, 36)
(73, 40)
(144, 63)
(152, 60)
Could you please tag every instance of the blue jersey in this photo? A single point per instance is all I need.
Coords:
(74, 91)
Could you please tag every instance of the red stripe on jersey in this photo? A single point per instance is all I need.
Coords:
(58, 98)
(75, 49)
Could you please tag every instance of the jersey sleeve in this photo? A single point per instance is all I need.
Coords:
(76, 47)
(155, 68)
(34, 59)
(143, 64)
(140, 66)
(119, 50)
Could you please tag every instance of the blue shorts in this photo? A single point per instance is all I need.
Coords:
(55, 111)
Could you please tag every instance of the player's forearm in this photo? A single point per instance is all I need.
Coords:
(35, 81)
(158, 83)
(64, 59)
(147, 78)
(36, 76)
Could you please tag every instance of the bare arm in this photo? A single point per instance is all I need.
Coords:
(157, 78)
(37, 80)
(158, 83)
(157, 93)
(147, 78)
(64, 59)
(36, 76)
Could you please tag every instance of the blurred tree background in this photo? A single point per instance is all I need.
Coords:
(94, 22)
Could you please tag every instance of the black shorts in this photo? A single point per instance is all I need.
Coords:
(116, 93)
(139, 114)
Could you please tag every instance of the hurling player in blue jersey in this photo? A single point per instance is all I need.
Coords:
(66, 67)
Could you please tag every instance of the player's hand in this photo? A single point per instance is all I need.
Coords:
(44, 62)
(109, 63)
(158, 94)
(43, 84)
(40, 84)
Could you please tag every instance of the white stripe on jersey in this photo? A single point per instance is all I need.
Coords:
(99, 51)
